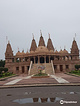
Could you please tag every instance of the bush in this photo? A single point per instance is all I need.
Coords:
(2, 63)
(3, 69)
(77, 67)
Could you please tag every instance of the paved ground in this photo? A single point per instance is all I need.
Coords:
(40, 96)
(54, 79)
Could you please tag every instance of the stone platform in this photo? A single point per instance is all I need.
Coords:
(59, 78)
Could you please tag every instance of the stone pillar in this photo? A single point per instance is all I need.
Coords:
(54, 58)
(58, 68)
(38, 59)
(44, 59)
(34, 60)
(25, 69)
(20, 69)
(64, 68)
(15, 60)
(49, 59)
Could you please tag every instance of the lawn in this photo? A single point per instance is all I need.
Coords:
(76, 72)
(41, 74)
(7, 74)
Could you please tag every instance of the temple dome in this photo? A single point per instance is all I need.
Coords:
(65, 51)
(19, 53)
(56, 51)
(61, 51)
(41, 49)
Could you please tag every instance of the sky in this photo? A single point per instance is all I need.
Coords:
(20, 18)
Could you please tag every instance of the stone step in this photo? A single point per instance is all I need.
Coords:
(48, 68)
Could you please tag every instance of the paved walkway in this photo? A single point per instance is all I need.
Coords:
(53, 79)
(59, 79)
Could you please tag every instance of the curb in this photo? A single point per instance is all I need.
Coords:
(38, 85)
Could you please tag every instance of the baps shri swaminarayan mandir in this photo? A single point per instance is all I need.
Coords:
(52, 60)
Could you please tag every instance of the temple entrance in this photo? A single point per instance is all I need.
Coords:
(23, 69)
(61, 68)
(41, 59)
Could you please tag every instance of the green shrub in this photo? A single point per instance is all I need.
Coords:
(77, 67)
(3, 69)
(2, 63)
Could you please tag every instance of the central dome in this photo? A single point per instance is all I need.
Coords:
(41, 48)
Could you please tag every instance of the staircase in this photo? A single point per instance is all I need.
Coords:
(34, 69)
(48, 68)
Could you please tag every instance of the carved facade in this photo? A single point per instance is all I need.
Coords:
(62, 61)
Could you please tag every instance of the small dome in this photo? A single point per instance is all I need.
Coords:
(31, 51)
(19, 53)
(56, 51)
(61, 51)
(23, 53)
(41, 48)
(65, 51)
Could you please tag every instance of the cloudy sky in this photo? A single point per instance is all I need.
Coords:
(20, 18)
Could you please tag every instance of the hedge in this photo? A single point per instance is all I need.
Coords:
(3, 69)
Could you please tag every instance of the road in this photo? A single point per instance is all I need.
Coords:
(40, 96)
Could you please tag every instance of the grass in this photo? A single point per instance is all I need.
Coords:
(76, 72)
(7, 76)
(41, 74)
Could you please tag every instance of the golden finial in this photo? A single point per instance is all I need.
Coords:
(18, 49)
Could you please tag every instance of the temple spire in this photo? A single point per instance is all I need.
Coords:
(41, 41)
(49, 44)
(74, 49)
(9, 51)
(33, 45)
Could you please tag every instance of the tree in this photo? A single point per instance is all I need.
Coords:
(2, 63)
(77, 67)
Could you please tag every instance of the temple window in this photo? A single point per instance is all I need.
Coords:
(23, 59)
(55, 67)
(17, 68)
(17, 59)
(67, 66)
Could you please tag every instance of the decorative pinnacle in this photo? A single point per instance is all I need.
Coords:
(64, 47)
(74, 37)
(49, 35)
(40, 32)
(60, 48)
(8, 42)
(23, 50)
(18, 49)
(33, 35)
